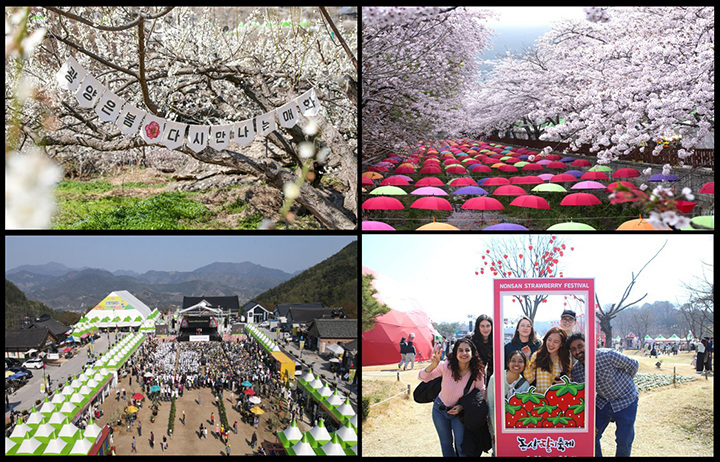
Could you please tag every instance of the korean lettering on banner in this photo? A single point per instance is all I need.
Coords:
(563, 417)
(244, 132)
(70, 75)
(152, 129)
(109, 106)
(265, 123)
(89, 91)
(288, 114)
(309, 103)
(220, 136)
(197, 138)
(174, 135)
(129, 120)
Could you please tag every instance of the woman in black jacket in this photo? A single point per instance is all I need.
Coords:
(482, 337)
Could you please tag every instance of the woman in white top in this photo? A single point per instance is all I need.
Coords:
(514, 383)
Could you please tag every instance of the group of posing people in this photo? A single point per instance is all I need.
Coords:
(528, 361)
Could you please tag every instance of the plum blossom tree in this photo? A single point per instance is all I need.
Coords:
(177, 63)
(625, 78)
(417, 65)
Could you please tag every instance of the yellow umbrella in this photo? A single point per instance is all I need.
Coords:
(257, 410)
(438, 226)
(640, 224)
(131, 409)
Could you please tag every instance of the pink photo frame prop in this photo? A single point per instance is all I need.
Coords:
(550, 434)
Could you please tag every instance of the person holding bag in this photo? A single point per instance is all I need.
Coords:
(461, 372)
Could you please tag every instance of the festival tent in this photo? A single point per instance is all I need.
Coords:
(381, 344)
(119, 308)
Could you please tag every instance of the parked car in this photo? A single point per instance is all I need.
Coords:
(264, 324)
(68, 355)
(33, 363)
(22, 369)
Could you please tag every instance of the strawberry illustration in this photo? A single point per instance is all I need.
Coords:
(565, 394)
(559, 421)
(546, 410)
(530, 400)
(576, 412)
(513, 414)
(529, 422)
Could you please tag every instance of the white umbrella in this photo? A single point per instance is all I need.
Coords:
(254, 400)
(77, 398)
(56, 418)
(28, 446)
(82, 447)
(68, 390)
(55, 446)
(85, 390)
(59, 398)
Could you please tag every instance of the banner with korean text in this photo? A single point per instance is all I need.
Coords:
(130, 120)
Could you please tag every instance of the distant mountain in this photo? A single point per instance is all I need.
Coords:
(332, 282)
(48, 269)
(78, 290)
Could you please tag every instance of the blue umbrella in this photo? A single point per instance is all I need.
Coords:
(661, 177)
(470, 190)
(246, 384)
(154, 388)
(506, 227)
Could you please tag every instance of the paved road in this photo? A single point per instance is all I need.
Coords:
(25, 397)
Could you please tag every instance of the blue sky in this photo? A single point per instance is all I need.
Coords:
(437, 272)
(171, 253)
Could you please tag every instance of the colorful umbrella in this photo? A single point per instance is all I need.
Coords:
(455, 169)
(456, 182)
(639, 224)
(506, 227)
(600, 168)
(430, 181)
(438, 227)
(548, 187)
(138, 396)
(477, 190)
(509, 190)
(580, 199)
(590, 175)
(154, 388)
(394, 181)
(571, 226)
(388, 191)
(495, 181)
(556, 164)
(369, 225)
(626, 173)
(661, 177)
(257, 411)
(249, 392)
(246, 384)
(581, 163)
(532, 167)
(429, 191)
(431, 203)
(482, 203)
(382, 203)
(372, 175)
(131, 409)
(563, 178)
(530, 179)
(588, 185)
(532, 202)
(708, 188)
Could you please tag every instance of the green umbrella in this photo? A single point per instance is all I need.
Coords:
(708, 221)
(549, 187)
(601, 168)
(521, 164)
(571, 226)
(388, 190)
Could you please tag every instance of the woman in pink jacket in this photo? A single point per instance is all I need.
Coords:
(463, 365)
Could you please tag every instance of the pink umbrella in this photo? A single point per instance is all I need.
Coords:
(532, 167)
(462, 182)
(580, 199)
(594, 176)
(530, 179)
(431, 203)
(370, 225)
(429, 191)
(588, 185)
(708, 188)
(382, 203)
(626, 173)
(563, 178)
(556, 164)
(430, 181)
(480, 168)
(455, 169)
(581, 163)
(402, 169)
(482, 203)
(496, 181)
(529, 201)
(429, 169)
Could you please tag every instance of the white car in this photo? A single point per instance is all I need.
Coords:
(33, 364)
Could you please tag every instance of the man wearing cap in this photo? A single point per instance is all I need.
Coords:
(403, 353)
(568, 321)
(411, 352)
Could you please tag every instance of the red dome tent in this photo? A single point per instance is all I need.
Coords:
(381, 344)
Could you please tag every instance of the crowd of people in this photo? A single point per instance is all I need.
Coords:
(465, 370)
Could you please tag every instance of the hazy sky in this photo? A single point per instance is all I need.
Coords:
(533, 15)
(437, 272)
(171, 253)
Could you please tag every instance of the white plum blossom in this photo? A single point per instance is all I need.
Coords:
(30, 179)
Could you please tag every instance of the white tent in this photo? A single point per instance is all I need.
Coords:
(293, 433)
(55, 446)
(303, 448)
(20, 431)
(333, 447)
(82, 447)
(320, 433)
(347, 434)
(116, 308)
(345, 409)
(28, 446)
(44, 430)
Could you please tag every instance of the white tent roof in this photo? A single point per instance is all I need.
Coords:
(82, 446)
(55, 446)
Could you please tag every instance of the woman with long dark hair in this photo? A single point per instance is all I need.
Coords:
(463, 365)
(550, 362)
(482, 337)
(524, 339)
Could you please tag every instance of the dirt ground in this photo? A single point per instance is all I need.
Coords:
(186, 438)
(670, 421)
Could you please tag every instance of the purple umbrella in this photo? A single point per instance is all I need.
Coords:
(567, 159)
(505, 227)
(376, 226)
(575, 173)
(429, 191)
(476, 190)
(661, 177)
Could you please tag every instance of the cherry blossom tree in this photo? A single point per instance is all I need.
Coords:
(178, 64)
(621, 80)
(417, 65)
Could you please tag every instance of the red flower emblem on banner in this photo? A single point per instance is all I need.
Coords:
(152, 130)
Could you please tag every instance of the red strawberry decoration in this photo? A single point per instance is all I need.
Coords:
(565, 394)
(576, 412)
(513, 414)
(559, 421)
(529, 422)
(530, 400)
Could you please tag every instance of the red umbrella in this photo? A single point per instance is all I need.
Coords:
(556, 164)
(249, 392)
(482, 203)
(553, 157)
(626, 173)
(708, 188)
(382, 203)
(402, 169)
(532, 167)
(685, 206)
(496, 181)
(581, 163)
(533, 202)
(509, 190)
(594, 176)
(563, 178)
(463, 182)
(580, 199)
(137, 396)
(530, 179)
(367, 181)
(508, 168)
(431, 203)
(480, 168)
(67, 349)
(430, 181)
(454, 169)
